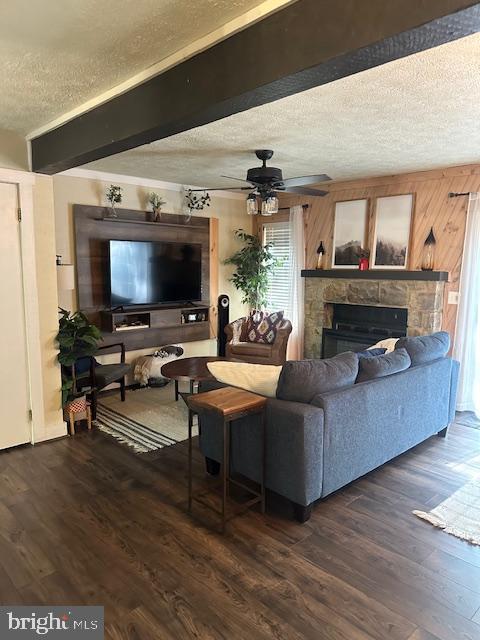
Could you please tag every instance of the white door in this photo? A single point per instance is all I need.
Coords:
(14, 385)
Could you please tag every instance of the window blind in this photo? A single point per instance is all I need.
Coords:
(279, 287)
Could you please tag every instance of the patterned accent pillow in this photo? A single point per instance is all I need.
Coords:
(262, 327)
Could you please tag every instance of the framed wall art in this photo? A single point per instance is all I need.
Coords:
(350, 230)
(393, 219)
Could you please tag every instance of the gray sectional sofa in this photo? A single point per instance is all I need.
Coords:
(341, 428)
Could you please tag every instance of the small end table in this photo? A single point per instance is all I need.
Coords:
(231, 404)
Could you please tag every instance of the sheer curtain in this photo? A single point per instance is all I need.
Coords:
(467, 334)
(297, 262)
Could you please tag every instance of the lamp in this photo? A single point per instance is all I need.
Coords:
(65, 276)
(428, 254)
(252, 208)
(270, 204)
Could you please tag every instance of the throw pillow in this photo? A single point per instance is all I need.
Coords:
(302, 380)
(387, 343)
(422, 349)
(383, 365)
(262, 327)
(259, 378)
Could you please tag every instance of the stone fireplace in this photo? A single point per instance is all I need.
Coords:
(421, 293)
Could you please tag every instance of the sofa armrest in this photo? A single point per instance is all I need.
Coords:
(279, 347)
(453, 389)
(233, 331)
(294, 448)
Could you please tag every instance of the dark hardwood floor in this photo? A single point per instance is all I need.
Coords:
(85, 521)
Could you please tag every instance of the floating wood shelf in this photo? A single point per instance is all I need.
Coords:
(156, 224)
(376, 274)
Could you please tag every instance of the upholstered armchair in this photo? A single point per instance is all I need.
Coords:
(239, 348)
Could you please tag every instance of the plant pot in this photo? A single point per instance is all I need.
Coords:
(76, 405)
(111, 212)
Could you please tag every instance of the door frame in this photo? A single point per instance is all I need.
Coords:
(24, 182)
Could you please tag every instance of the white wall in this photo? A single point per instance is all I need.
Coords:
(230, 211)
(13, 151)
(44, 229)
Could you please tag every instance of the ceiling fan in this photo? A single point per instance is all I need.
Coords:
(265, 181)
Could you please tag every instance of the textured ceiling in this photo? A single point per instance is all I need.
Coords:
(416, 113)
(57, 54)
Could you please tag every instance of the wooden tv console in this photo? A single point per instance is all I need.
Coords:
(140, 327)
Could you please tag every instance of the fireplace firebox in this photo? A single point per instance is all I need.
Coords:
(356, 327)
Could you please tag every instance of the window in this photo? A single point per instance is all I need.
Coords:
(279, 295)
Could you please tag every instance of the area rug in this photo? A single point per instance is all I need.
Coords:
(149, 419)
(459, 514)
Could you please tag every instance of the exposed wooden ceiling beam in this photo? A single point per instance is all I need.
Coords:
(309, 43)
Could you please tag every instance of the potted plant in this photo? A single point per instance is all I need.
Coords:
(114, 196)
(77, 339)
(156, 202)
(194, 202)
(254, 264)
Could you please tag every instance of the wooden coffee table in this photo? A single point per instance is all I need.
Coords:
(192, 370)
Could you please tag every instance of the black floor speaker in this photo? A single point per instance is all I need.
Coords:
(223, 320)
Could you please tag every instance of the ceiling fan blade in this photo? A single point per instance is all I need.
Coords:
(302, 180)
(224, 189)
(304, 191)
(238, 179)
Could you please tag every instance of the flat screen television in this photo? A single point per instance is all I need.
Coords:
(154, 272)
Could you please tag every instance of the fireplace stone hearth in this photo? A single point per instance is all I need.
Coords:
(422, 298)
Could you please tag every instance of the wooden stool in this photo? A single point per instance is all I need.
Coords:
(76, 409)
(231, 404)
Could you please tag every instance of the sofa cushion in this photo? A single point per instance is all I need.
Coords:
(251, 349)
(302, 380)
(371, 352)
(423, 349)
(262, 327)
(383, 365)
(259, 378)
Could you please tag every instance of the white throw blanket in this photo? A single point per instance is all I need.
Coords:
(150, 366)
(258, 378)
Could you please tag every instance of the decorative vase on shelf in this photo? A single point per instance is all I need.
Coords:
(320, 257)
(111, 212)
(428, 254)
(114, 196)
(156, 203)
(364, 259)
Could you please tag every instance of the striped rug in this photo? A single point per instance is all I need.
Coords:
(149, 419)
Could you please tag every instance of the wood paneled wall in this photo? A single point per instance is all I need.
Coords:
(432, 208)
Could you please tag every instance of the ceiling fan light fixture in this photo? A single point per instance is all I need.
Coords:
(270, 204)
(252, 208)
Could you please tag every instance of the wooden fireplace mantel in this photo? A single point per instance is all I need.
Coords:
(376, 274)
